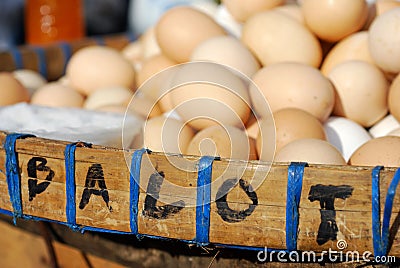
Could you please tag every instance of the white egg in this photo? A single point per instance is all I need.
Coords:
(30, 79)
(384, 126)
(345, 134)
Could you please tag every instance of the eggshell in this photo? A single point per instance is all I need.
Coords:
(150, 67)
(345, 134)
(362, 92)
(144, 107)
(292, 124)
(394, 132)
(384, 39)
(30, 79)
(322, 17)
(11, 90)
(293, 85)
(394, 98)
(181, 29)
(292, 10)
(242, 10)
(383, 151)
(149, 43)
(57, 95)
(96, 67)
(385, 5)
(313, 151)
(107, 96)
(229, 51)
(352, 47)
(384, 126)
(166, 135)
(133, 52)
(223, 141)
(266, 141)
(206, 94)
(252, 129)
(292, 42)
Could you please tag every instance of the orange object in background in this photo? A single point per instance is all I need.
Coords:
(48, 21)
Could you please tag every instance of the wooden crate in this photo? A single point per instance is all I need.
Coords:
(296, 207)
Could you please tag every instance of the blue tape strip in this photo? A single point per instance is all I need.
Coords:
(67, 52)
(294, 187)
(203, 200)
(70, 208)
(381, 236)
(12, 173)
(134, 188)
(42, 64)
(388, 209)
(376, 212)
(16, 54)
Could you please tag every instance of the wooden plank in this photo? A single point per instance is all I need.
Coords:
(254, 216)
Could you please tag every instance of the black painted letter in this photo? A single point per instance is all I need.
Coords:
(95, 174)
(326, 195)
(38, 164)
(228, 214)
(153, 194)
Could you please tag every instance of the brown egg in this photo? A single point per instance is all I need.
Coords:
(394, 97)
(108, 96)
(150, 67)
(223, 141)
(353, 47)
(149, 43)
(30, 79)
(252, 127)
(313, 151)
(96, 67)
(228, 51)
(292, 42)
(57, 95)
(361, 92)
(181, 29)
(385, 5)
(293, 85)
(168, 135)
(143, 107)
(134, 53)
(11, 90)
(384, 40)
(332, 20)
(293, 124)
(266, 141)
(242, 10)
(207, 94)
(383, 151)
(292, 10)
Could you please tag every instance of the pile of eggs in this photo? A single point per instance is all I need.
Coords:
(328, 69)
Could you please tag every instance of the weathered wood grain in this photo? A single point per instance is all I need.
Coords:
(253, 218)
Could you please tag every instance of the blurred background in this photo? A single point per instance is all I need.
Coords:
(25, 21)
(40, 22)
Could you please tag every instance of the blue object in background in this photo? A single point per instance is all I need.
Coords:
(11, 23)
(143, 14)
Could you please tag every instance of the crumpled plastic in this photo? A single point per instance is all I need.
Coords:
(71, 124)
